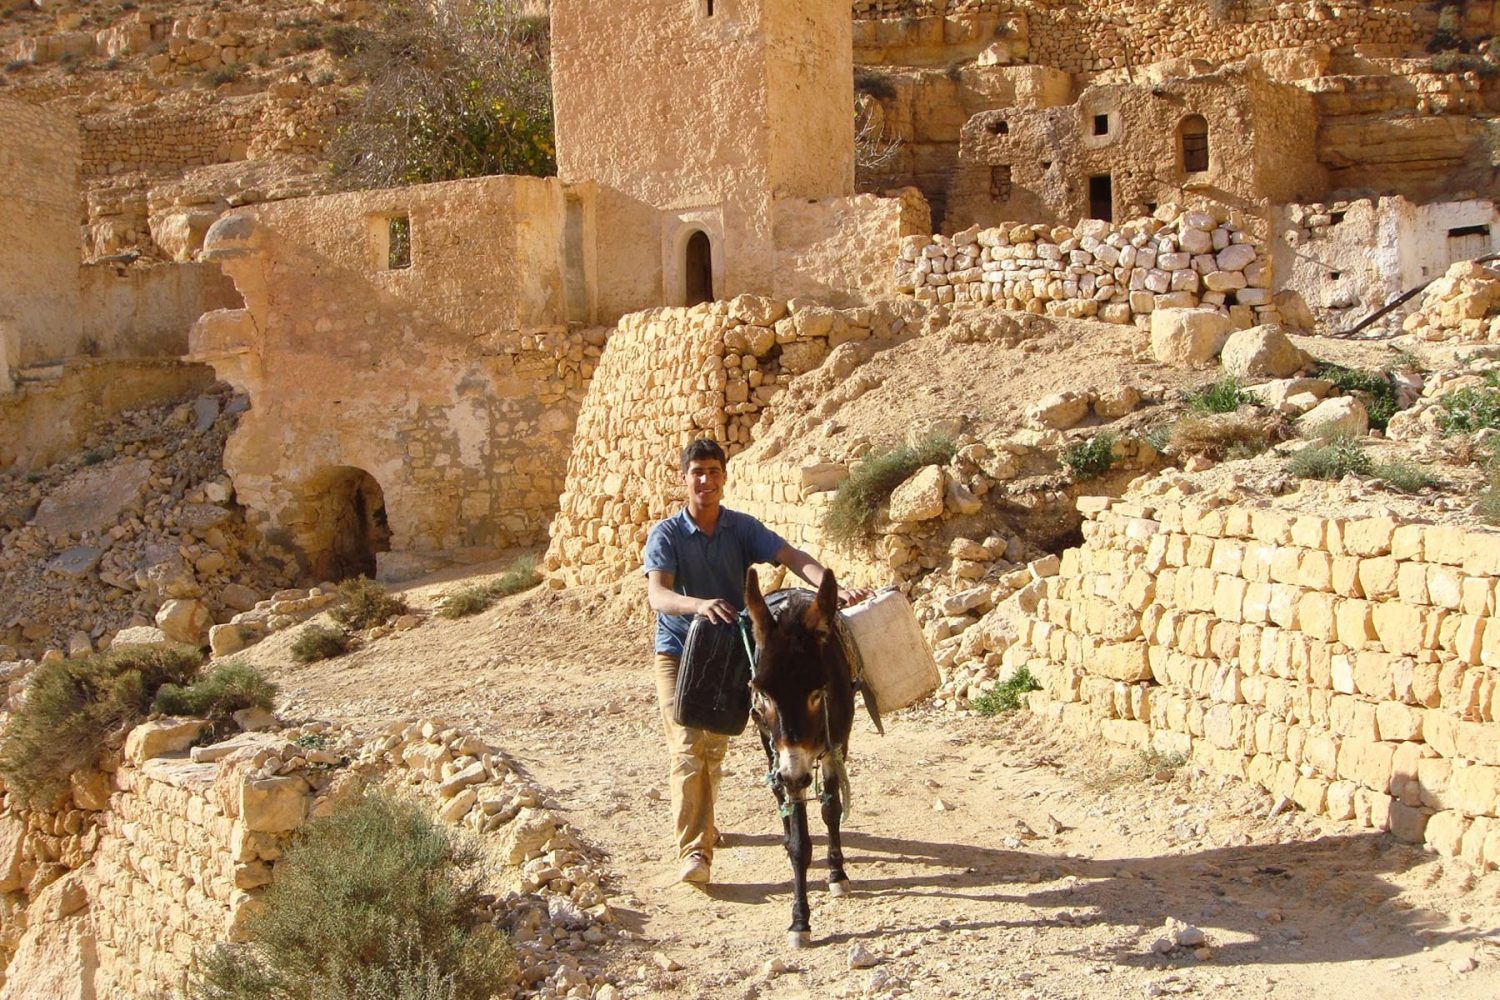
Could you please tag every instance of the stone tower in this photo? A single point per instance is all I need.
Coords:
(694, 118)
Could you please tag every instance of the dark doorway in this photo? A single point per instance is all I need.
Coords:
(344, 524)
(1102, 198)
(700, 269)
(1193, 138)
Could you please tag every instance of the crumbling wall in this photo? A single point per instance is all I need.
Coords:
(146, 312)
(1349, 666)
(1085, 36)
(419, 336)
(39, 304)
(1119, 274)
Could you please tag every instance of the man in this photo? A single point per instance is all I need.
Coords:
(695, 564)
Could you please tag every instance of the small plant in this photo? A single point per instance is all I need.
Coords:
(1403, 475)
(1006, 696)
(1224, 396)
(221, 75)
(373, 901)
(1375, 389)
(1222, 435)
(312, 741)
(344, 40)
(851, 515)
(1489, 502)
(1153, 762)
(1158, 437)
(217, 695)
(74, 709)
(1087, 459)
(306, 41)
(93, 457)
(34, 477)
(1470, 409)
(469, 601)
(875, 83)
(319, 642)
(16, 65)
(1336, 459)
(363, 603)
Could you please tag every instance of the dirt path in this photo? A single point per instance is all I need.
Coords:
(989, 858)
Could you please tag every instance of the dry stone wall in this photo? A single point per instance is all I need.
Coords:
(1117, 274)
(669, 376)
(1350, 666)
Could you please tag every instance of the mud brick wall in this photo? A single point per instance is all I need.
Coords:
(1351, 666)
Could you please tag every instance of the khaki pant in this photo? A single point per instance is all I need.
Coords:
(696, 763)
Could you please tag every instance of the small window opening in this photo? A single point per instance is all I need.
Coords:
(1335, 218)
(398, 247)
(1102, 198)
(1000, 182)
(708, 8)
(1046, 164)
(1150, 208)
(1000, 127)
(1335, 275)
(700, 269)
(1101, 124)
(1468, 242)
(1192, 140)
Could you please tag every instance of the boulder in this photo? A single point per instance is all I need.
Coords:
(1342, 416)
(139, 635)
(226, 640)
(77, 562)
(1117, 401)
(1059, 411)
(238, 597)
(181, 234)
(273, 805)
(1263, 352)
(160, 737)
(93, 498)
(527, 835)
(57, 956)
(921, 497)
(185, 621)
(1287, 395)
(1188, 338)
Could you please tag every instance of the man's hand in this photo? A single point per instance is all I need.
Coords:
(718, 610)
(853, 595)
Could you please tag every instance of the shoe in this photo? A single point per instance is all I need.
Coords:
(695, 868)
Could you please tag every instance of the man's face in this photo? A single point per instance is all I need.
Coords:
(705, 481)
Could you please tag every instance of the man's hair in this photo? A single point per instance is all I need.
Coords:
(703, 450)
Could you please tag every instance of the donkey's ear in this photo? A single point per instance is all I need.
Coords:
(818, 617)
(760, 615)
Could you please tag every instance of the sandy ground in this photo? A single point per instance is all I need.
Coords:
(989, 858)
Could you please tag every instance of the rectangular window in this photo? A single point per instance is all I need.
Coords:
(1195, 152)
(390, 242)
(1101, 124)
(1000, 182)
(708, 8)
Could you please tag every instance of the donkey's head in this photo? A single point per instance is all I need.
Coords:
(793, 680)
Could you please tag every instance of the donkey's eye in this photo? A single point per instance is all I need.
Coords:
(815, 701)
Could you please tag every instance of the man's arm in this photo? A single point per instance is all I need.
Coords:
(812, 571)
(666, 601)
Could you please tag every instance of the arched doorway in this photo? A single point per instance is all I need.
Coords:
(700, 269)
(344, 524)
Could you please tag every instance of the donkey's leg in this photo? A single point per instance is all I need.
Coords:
(799, 850)
(833, 809)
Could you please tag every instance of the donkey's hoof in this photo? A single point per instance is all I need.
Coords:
(839, 888)
(798, 940)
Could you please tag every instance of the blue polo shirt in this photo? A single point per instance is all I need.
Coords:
(711, 566)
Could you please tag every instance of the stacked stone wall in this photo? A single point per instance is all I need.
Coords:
(1350, 666)
(669, 376)
(1119, 274)
(1085, 37)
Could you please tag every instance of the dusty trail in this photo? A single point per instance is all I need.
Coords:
(989, 858)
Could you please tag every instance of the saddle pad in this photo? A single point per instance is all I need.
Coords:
(713, 680)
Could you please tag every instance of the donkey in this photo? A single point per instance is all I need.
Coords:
(802, 700)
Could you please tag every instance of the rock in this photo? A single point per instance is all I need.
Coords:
(273, 805)
(960, 499)
(1117, 401)
(76, 562)
(93, 498)
(226, 640)
(1294, 310)
(254, 720)
(185, 621)
(665, 962)
(1188, 936)
(1262, 351)
(526, 835)
(822, 477)
(1278, 394)
(458, 807)
(921, 497)
(12, 840)
(1463, 966)
(57, 955)
(238, 597)
(79, 645)
(1058, 411)
(90, 790)
(966, 600)
(181, 233)
(161, 737)
(1342, 416)
(1188, 338)
(860, 957)
(139, 635)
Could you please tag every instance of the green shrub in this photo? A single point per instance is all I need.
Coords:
(75, 709)
(874, 82)
(521, 575)
(1334, 460)
(363, 603)
(217, 695)
(1375, 389)
(1224, 396)
(374, 902)
(1006, 696)
(1222, 435)
(225, 74)
(1489, 502)
(319, 642)
(1403, 475)
(1471, 409)
(851, 515)
(1087, 459)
